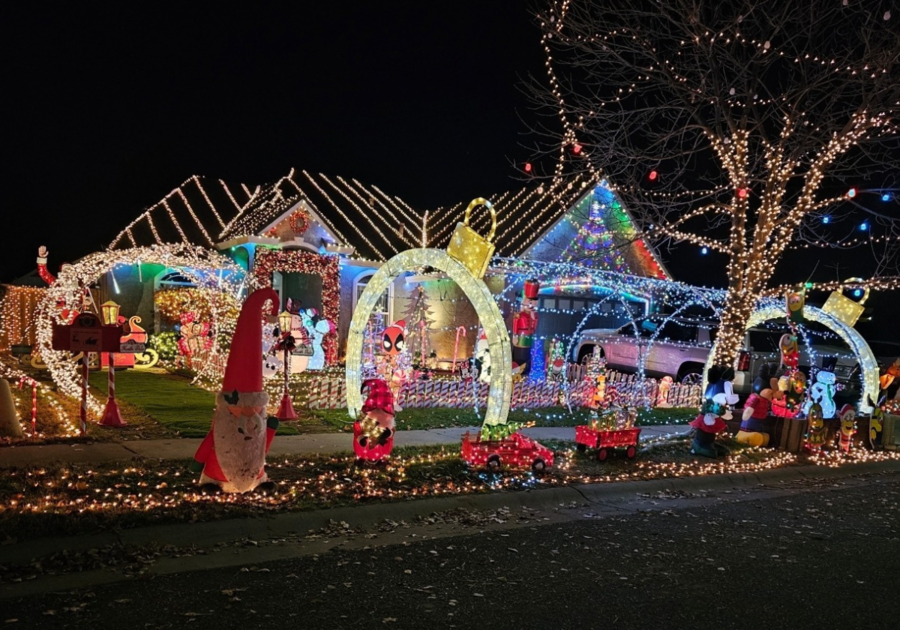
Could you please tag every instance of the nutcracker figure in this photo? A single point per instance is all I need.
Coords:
(524, 326)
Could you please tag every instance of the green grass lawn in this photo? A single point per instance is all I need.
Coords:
(170, 400)
(186, 411)
(545, 417)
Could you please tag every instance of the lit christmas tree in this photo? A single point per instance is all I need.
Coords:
(416, 315)
(595, 245)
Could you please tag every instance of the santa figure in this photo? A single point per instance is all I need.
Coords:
(524, 326)
(232, 456)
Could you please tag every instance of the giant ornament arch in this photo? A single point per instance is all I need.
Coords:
(847, 333)
(485, 307)
(211, 272)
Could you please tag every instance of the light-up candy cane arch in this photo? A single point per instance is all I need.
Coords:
(212, 273)
(870, 372)
(485, 307)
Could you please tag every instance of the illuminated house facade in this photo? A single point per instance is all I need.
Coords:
(318, 239)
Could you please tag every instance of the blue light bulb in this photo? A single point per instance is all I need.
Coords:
(886, 197)
(864, 226)
(826, 219)
(705, 250)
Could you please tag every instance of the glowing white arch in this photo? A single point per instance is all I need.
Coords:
(847, 333)
(477, 292)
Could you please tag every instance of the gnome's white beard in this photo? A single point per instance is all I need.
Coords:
(240, 441)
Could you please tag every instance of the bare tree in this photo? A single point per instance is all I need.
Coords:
(739, 126)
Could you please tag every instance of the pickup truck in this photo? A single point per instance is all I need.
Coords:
(682, 346)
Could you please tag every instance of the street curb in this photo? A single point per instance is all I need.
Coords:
(361, 516)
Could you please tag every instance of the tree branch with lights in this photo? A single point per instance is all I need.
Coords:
(751, 128)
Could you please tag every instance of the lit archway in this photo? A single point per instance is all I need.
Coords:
(848, 334)
(209, 271)
(474, 288)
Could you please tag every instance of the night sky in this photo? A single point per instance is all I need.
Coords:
(108, 111)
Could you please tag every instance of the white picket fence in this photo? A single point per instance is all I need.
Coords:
(330, 392)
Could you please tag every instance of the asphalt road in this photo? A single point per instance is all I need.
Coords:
(814, 555)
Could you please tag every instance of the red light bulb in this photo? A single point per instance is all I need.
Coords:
(576, 148)
(527, 167)
(742, 193)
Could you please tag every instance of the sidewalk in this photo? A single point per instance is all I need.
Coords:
(314, 443)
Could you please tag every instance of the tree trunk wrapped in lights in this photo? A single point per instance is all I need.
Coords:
(740, 128)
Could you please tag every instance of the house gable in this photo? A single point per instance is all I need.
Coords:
(374, 224)
(598, 232)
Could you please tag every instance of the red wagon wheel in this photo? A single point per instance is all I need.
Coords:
(602, 454)
(631, 452)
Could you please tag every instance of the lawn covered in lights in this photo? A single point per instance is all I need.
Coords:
(186, 410)
(41, 501)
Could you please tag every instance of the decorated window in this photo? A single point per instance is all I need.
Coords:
(383, 305)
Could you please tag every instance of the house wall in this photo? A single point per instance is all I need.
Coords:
(448, 308)
(350, 274)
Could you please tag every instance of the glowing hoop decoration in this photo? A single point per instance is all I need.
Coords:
(847, 333)
(474, 288)
(203, 266)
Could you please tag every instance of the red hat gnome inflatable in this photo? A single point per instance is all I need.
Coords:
(233, 454)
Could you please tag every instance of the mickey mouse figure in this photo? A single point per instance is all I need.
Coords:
(709, 423)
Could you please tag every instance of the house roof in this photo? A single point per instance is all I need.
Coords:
(195, 212)
(379, 226)
(376, 224)
(204, 211)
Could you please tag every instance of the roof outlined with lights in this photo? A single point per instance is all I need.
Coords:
(194, 213)
(531, 221)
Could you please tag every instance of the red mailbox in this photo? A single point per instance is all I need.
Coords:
(86, 334)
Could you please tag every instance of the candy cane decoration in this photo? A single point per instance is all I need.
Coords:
(30, 381)
(84, 389)
(459, 329)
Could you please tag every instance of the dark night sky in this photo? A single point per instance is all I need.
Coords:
(108, 111)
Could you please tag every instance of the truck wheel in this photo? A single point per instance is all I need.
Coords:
(538, 466)
(631, 452)
(602, 455)
(581, 447)
(690, 374)
(586, 351)
(493, 463)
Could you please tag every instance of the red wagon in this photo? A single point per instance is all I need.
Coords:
(586, 437)
(516, 450)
